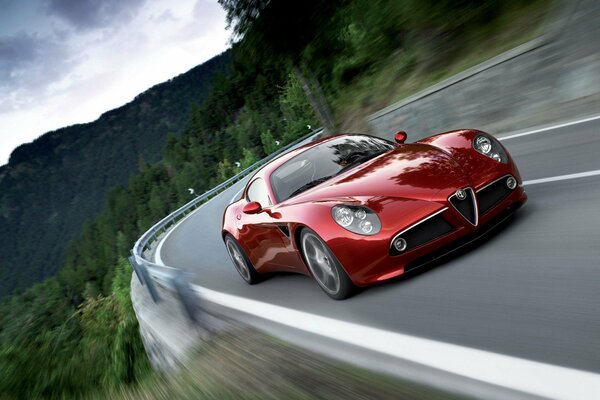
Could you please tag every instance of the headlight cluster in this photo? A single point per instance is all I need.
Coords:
(488, 146)
(357, 219)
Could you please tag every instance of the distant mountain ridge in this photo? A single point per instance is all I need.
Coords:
(51, 186)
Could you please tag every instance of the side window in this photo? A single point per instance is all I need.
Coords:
(258, 192)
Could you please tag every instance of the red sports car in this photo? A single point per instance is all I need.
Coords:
(355, 210)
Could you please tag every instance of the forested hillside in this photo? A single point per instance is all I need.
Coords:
(52, 185)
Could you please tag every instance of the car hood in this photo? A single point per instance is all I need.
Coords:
(411, 171)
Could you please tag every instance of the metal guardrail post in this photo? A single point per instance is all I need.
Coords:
(136, 269)
(146, 278)
(188, 298)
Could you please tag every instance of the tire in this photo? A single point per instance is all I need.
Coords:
(240, 261)
(325, 267)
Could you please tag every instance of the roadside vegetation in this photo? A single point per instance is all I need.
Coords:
(76, 333)
(281, 372)
(428, 57)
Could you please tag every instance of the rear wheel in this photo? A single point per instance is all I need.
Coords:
(240, 261)
(325, 267)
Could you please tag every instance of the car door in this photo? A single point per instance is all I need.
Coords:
(260, 232)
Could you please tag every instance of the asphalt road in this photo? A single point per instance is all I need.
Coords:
(531, 290)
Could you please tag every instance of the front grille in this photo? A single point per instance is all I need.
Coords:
(465, 240)
(492, 194)
(467, 207)
(423, 232)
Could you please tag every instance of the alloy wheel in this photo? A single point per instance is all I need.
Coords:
(238, 260)
(321, 263)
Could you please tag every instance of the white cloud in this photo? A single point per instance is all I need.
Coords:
(98, 64)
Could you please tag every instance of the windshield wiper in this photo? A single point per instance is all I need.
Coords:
(309, 185)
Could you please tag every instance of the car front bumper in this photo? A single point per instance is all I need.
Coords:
(435, 234)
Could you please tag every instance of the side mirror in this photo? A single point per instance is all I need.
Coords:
(253, 207)
(400, 137)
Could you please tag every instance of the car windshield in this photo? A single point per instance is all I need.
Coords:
(324, 161)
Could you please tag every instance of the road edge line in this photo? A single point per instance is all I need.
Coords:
(551, 381)
(550, 128)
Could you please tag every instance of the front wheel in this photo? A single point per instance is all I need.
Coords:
(325, 267)
(240, 261)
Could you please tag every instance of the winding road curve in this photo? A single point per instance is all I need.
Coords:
(531, 291)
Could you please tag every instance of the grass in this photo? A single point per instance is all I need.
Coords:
(246, 364)
(407, 72)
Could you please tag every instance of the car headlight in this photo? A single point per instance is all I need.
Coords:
(357, 219)
(488, 146)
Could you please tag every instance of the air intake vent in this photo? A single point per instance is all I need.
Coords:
(493, 193)
(284, 229)
(423, 232)
(464, 201)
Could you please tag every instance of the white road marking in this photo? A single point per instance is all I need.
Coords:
(532, 377)
(549, 128)
(562, 177)
(157, 254)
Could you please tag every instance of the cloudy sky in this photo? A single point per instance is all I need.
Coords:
(68, 61)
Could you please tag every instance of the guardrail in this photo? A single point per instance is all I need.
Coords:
(172, 278)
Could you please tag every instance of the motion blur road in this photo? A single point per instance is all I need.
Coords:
(531, 290)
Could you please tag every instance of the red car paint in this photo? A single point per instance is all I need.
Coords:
(403, 186)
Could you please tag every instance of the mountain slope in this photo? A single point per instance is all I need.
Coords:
(52, 185)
